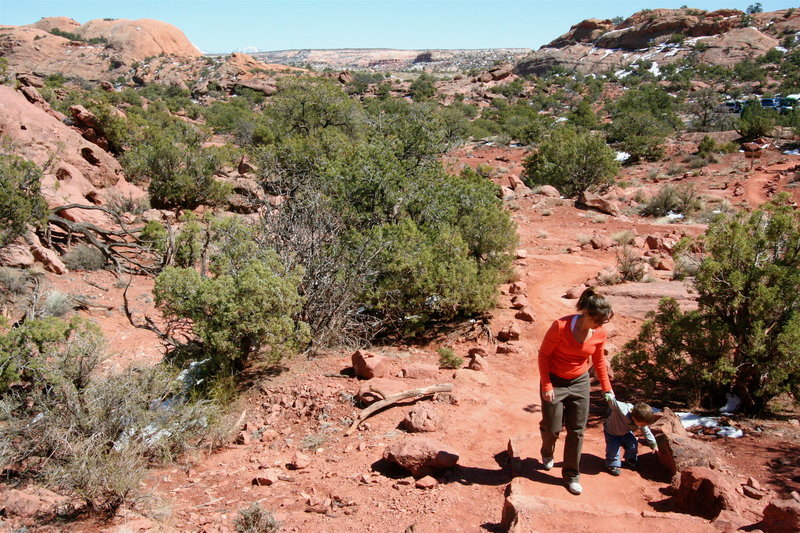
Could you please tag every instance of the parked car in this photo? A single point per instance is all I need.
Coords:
(771, 103)
(732, 106)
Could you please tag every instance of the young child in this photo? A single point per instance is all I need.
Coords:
(618, 430)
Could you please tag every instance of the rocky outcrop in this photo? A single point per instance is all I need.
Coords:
(104, 46)
(75, 170)
(596, 46)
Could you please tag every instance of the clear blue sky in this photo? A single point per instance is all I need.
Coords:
(230, 25)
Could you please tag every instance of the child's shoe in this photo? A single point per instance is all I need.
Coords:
(613, 470)
(548, 462)
(631, 465)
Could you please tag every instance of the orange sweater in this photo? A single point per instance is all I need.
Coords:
(562, 355)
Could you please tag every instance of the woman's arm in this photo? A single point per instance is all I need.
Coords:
(546, 350)
(600, 369)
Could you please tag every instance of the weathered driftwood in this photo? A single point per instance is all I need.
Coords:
(391, 400)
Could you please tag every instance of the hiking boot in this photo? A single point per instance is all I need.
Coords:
(613, 470)
(548, 462)
(574, 488)
(631, 465)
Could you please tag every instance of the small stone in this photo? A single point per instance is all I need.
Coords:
(427, 482)
(753, 482)
(478, 350)
(526, 315)
(752, 492)
(299, 461)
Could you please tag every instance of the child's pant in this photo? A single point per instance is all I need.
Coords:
(627, 442)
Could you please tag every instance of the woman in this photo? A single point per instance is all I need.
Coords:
(564, 359)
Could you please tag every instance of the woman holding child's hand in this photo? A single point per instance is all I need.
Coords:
(571, 344)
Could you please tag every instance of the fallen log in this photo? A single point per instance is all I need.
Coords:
(391, 400)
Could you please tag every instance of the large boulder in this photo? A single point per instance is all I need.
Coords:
(594, 201)
(705, 492)
(369, 365)
(419, 371)
(595, 46)
(678, 451)
(421, 456)
(781, 516)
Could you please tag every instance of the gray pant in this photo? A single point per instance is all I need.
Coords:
(570, 410)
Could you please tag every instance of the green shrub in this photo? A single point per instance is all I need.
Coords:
(683, 200)
(745, 332)
(584, 116)
(706, 146)
(20, 200)
(448, 358)
(422, 88)
(84, 257)
(248, 305)
(255, 519)
(121, 204)
(13, 281)
(571, 160)
(180, 169)
(641, 120)
(756, 121)
(4, 77)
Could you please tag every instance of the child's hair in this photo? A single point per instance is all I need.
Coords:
(598, 307)
(643, 413)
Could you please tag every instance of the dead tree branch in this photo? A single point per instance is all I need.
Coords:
(393, 399)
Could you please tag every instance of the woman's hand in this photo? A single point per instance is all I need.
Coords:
(549, 396)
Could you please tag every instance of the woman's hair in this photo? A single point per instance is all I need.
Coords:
(596, 305)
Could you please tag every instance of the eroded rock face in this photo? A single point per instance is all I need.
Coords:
(74, 169)
(705, 492)
(422, 456)
(595, 46)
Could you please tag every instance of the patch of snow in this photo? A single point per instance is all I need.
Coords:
(733, 402)
(791, 152)
(655, 70)
(561, 119)
(674, 216)
(781, 49)
(691, 419)
(622, 156)
(730, 432)
(622, 73)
